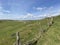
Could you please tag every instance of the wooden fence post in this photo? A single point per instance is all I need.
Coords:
(17, 39)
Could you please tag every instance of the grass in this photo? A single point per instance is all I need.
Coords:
(30, 30)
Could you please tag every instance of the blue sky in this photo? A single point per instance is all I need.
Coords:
(28, 9)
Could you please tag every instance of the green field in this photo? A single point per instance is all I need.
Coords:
(30, 31)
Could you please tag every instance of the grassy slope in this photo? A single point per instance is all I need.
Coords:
(52, 36)
(29, 30)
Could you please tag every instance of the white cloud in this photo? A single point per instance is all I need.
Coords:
(2, 10)
(39, 8)
(4, 14)
(28, 15)
(50, 11)
(6, 11)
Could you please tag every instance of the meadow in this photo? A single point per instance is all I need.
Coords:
(30, 31)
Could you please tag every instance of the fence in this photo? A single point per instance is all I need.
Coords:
(18, 42)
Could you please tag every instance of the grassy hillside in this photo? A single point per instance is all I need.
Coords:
(30, 31)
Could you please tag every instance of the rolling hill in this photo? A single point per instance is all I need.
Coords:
(33, 32)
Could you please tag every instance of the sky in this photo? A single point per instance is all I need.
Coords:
(28, 9)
